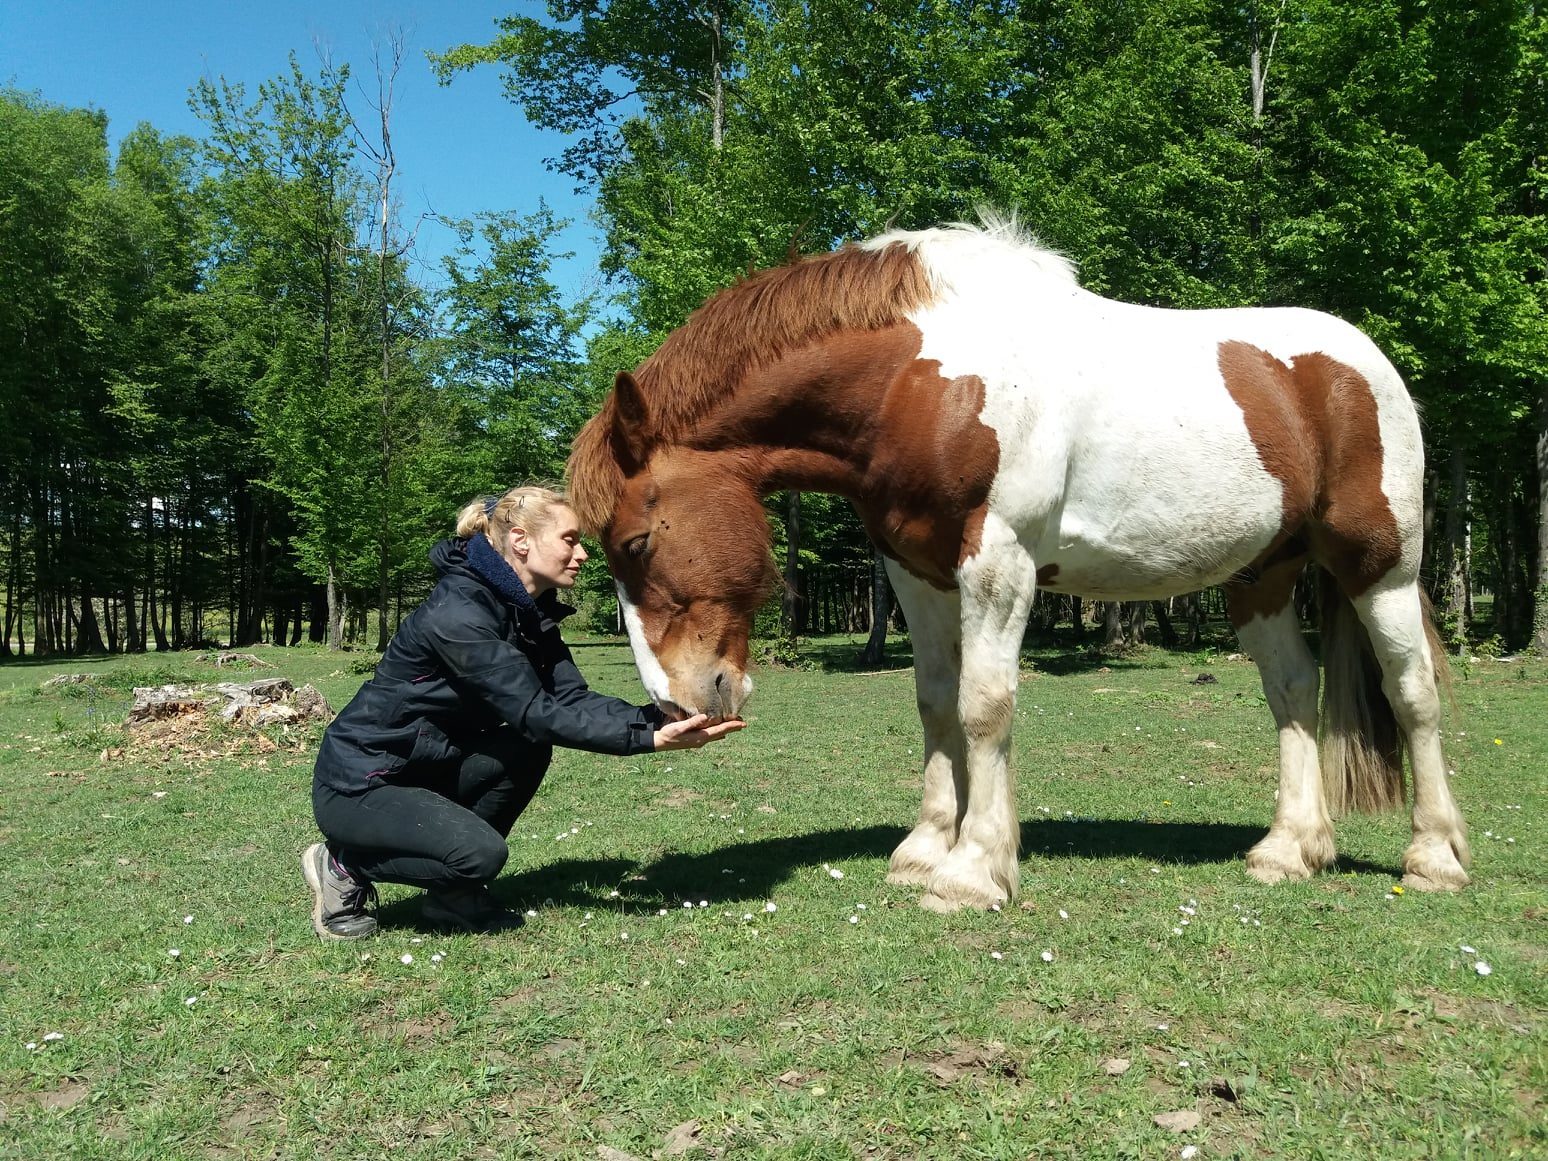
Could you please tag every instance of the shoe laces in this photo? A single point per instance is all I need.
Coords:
(359, 896)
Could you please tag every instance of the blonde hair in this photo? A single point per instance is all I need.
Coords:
(530, 507)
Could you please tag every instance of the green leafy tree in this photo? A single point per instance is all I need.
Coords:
(288, 204)
(511, 348)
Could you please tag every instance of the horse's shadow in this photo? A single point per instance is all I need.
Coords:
(743, 872)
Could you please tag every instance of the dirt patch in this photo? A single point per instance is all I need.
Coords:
(414, 1031)
(679, 798)
(563, 1051)
(1488, 1013)
(1340, 1011)
(66, 1096)
(520, 1000)
(256, 1113)
(970, 1062)
(1021, 1010)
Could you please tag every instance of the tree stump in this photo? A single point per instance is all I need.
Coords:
(159, 703)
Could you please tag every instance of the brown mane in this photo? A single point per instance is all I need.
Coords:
(740, 329)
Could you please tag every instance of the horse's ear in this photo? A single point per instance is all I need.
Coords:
(632, 436)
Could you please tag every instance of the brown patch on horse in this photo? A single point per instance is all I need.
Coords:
(926, 494)
(1266, 586)
(739, 330)
(1314, 423)
(1047, 575)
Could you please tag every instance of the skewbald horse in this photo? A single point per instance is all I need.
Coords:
(999, 428)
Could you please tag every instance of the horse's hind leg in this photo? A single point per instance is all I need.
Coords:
(935, 629)
(1398, 626)
(1300, 841)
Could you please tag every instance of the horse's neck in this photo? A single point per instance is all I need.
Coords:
(813, 419)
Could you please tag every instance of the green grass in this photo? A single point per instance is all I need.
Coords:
(1323, 1019)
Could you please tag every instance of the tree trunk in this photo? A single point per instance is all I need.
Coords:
(335, 611)
(1112, 624)
(386, 168)
(1455, 562)
(317, 628)
(1164, 623)
(43, 629)
(175, 579)
(717, 84)
(89, 637)
(1138, 617)
(1195, 606)
(12, 580)
(790, 600)
(1540, 592)
(881, 609)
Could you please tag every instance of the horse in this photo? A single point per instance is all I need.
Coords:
(1000, 429)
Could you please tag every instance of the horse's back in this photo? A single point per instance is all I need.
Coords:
(1145, 452)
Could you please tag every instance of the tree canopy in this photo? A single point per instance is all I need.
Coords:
(214, 357)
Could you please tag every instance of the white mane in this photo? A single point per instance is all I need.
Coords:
(995, 239)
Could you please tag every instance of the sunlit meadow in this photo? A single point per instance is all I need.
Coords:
(714, 965)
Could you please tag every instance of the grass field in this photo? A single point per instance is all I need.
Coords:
(716, 966)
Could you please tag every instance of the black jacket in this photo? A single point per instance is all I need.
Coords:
(477, 654)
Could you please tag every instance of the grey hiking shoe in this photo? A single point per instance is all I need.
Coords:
(467, 909)
(338, 902)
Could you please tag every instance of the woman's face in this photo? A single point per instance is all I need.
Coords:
(552, 558)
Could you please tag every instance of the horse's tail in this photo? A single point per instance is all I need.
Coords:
(1362, 747)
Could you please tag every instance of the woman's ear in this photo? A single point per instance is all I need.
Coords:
(518, 542)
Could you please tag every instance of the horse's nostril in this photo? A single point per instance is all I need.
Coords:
(720, 681)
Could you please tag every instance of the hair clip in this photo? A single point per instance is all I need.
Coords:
(490, 505)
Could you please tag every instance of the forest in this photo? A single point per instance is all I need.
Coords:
(235, 409)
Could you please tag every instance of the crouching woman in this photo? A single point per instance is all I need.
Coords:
(421, 777)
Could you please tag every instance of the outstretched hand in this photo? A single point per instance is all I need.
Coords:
(691, 733)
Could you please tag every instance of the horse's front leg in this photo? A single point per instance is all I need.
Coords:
(997, 583)
(935, 630)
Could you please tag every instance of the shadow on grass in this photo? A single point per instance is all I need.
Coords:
(842, 655)
(1163, 842)
(85, 661)
(1091, 660)
(744, 872)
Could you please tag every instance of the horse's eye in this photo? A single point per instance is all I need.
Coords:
(636, 547)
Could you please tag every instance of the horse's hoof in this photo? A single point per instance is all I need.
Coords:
(1417, 882)
(945, 895)
(918, 856)
(933, 902)
(1268, 873)
(1435, 867)
(1277, 858)
(1276, 868)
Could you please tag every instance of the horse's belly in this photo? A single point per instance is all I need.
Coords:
(1150, 554)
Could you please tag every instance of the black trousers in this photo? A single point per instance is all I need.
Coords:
(441, 827)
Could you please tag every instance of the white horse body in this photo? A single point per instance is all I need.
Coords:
(1122, 455)
(1127, 463)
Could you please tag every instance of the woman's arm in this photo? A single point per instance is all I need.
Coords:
(481, 662)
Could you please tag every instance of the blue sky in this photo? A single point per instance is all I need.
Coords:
(461, 148)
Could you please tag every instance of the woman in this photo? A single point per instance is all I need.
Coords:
(422, 776)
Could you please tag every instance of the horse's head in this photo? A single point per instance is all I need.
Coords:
(688, 543)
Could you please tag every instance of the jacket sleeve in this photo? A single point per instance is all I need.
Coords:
(487, 666)
(571, 689)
